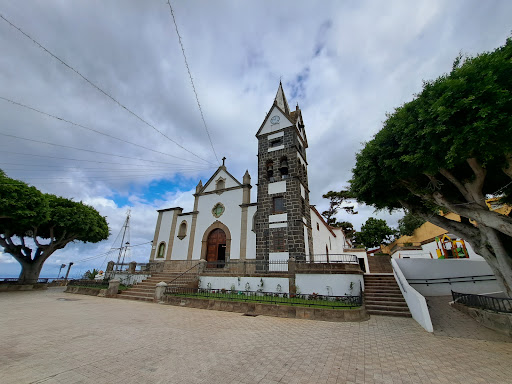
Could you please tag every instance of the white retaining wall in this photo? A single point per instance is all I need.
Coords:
(226, 282)
(322, 284)
(325, 284)
(415, 301)
(443, 268)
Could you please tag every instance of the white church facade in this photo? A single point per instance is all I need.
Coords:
(225, 225)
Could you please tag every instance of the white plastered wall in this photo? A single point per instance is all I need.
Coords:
(180, 246)
(229, 182)
(164, 232)
(332, 285)
(250, 252)
(322, 237)
(283, 122)
(230, 218)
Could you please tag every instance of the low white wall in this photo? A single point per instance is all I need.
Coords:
(444, 268)
(332, 285)
(128, 278)
(415, 301)
(226, 282)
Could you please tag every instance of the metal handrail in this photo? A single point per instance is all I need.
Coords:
(496, 304)
(450, 280)
(181, 274)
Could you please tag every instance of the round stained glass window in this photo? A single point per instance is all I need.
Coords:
(218, 210)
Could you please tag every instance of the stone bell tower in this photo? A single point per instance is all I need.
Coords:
(283, 221)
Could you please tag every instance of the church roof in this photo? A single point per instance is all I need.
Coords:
(280, 100)
(220, 169)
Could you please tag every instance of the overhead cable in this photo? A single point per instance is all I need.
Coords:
(81, 149)
(94, 130)
(85, 160)
(191, 80)
(99, 89)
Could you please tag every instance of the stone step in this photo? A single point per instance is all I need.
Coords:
(383, 290)
(374, 304)
(383, 294)
(378, 285)
(394, 308)
(133, 297)
(381, 299)
(388, 313)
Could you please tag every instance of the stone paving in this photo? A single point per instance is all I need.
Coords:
(53, 337)
(448, 321)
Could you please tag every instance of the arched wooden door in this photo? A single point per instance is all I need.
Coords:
(216, 249)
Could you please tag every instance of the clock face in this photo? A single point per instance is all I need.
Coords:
(274, 120)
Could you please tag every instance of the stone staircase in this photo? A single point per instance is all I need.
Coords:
(145, 290)
(382, 296)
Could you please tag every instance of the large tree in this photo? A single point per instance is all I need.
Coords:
(447, 151)
(408, 224)
(33, 225)
(374, 232)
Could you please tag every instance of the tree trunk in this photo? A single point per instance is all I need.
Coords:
(30, 272)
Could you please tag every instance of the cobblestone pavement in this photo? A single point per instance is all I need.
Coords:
(448, 321)
(53, 337)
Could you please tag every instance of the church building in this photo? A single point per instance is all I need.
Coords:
(225, 225)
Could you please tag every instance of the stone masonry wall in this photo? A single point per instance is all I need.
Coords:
(295, 206)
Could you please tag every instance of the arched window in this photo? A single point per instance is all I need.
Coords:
(182, 232)
(270, 170)
(317, 226)
(330, 247)
(161, 250)
(283, 167)
(221, 184)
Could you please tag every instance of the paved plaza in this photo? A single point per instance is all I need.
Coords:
(54, 337)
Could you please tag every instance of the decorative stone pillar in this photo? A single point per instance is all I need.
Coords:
(132, 266)
(113, 288)
(159, 291)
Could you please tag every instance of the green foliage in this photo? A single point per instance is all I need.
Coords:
(449, 149)
(374, 232)
(91, 274)
(50, 221)
(335, 201)
(408, 223)
(348, 228)
(464, 114)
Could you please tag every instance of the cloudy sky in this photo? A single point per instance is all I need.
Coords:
(346, 63)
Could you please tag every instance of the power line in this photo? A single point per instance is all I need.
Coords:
(84, 160)
(191, 80)
(92, 129)
(81, 149)
(99, 89)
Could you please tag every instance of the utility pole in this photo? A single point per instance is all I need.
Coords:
(126, 227)
(67, 273)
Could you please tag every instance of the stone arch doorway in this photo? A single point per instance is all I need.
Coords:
(216, 249)
(216, 245)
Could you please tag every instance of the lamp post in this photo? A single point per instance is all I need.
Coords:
(60, 269)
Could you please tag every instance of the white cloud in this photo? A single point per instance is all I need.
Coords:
(356, 61)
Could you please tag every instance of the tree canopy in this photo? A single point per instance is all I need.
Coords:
(408, 223)
(49, 222)
(374, 232)
(449, 149)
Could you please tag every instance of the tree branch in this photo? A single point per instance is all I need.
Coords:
(462, 189)
(475, 187)
(34, 236)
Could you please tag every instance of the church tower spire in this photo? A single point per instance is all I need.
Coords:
(283, 220)
(280, 100)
